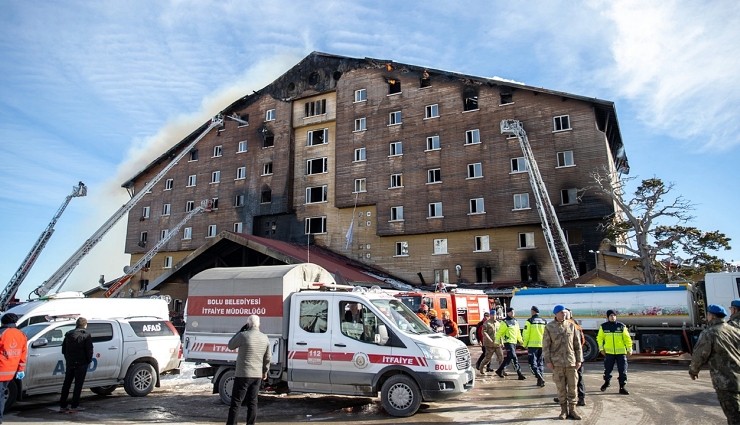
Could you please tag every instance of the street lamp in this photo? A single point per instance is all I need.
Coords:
(596, 257)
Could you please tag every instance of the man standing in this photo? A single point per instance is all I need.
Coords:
(479, 335)
(735, 313)
(77, 349)
(491, 345)
(252, 364)
(719, 346)
(534, 329)
(509, 333)
(423, 313)
(615, 344)
(561, 347)
(450, 326)
(12, 355)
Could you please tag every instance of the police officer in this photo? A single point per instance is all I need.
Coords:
(511, 335)
(615, 344)
(719, 347)
(534, 328)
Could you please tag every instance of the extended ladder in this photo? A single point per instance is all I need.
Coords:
(557, 245)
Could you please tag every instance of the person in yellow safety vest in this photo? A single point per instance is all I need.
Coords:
(510, 334)
(615, 344)
(534, 329)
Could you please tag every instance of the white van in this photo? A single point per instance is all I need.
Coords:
(75, 304)
(131, 352)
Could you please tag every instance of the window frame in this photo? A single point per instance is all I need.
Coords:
(218, 151)
(572, 192)
(434, 210)
(167, 262)
(324, 194)
(242, 144)
(360, 157)
(401, 249)
(267, 168)
(270, 115)
(396, 181)
(187, 233)
(168, 184)
(431, 143)
(472, 168)
(310, 137)
(321, 163)
(519, 160)
(472, 137)
(431, 111)
(434, 176)
(397, 213)
(216, 177)
(360, 124)
(192, 180)
(519, 199)
(212, 231)
(395, 118)
(482, 243)
(166, 209)
(241, 173)
(146, 211)
(395, 148)
(559, 123)
(238, 227)
(439, 246)
(308, 221)
(189, 206)
(562, 158)
(526, 237)
(360, 185)
(360, 96)
(476, 204)
(239, 200)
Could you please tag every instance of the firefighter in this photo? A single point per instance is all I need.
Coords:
(450, 326)
(423, 313)
(435, 323)
(534, 328)
(615, 344)
(510, 334)
(13, 358)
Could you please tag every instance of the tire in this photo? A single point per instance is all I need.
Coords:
(226, 385)
(11, 395)
(106, 390)
(400, 396)
(473, 335)
(140, 380)
(591, 349)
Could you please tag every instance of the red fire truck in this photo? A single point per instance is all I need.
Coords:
(466, 306)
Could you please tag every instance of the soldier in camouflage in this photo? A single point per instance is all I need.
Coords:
(735, 313)
(563, 353)
(719, 347)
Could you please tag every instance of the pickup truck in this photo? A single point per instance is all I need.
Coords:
(132, 352)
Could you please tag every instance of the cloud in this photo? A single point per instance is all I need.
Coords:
(679, 63)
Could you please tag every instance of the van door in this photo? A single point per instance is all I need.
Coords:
(309, 343)
(45, 365)
(107, 350)
(356, 356)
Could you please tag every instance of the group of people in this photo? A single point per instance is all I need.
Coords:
(77, 349)
(559, 344)
(444, 325)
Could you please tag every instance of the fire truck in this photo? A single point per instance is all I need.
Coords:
(466, 307)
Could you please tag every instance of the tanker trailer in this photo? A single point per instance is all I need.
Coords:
(661, 318)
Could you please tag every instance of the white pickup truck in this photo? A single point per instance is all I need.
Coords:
(132, 352)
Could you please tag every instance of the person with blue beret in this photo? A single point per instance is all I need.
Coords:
(735, 313)
(558, 308)
(718, 348)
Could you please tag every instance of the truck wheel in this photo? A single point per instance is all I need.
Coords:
(226, 386)
(106, 390)
(400, 396)
(140, 379)
(591, 349)
(473, 336)
(11, 395)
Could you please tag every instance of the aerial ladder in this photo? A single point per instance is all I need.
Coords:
(557, 245)
(117, 286)
(25, 267)
(57, 280)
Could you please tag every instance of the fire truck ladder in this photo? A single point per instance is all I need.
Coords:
(557, 245)
(60, 276)
(25, 267)
(119, 284)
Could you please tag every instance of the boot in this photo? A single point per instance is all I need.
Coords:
(573, 413)
(581, 402)
(482, 372)
(540, 382)
(623, 391)
(605, 386)
(563, 411)
(521, 376)
(499, 373)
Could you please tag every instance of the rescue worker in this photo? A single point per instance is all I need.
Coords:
(435, 323)
(615, 344)
(479, 336)
(423, 313)
(491, 344)
(450, 326)
(562, 349)
(534, 328)
(719, 347)
(13, 353)
(735, 313)
(581, 387)
(510, 335)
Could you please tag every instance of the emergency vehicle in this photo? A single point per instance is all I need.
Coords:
(466, 307)
(323, 339)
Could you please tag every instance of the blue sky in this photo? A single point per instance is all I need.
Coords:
(91, 90)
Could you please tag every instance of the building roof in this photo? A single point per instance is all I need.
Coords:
(284, 89)
(344, 270)
(598, 274)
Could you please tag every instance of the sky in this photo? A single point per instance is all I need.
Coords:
(91, 91)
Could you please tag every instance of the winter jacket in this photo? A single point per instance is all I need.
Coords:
(451, 328)
(13, 352)
(77, 347)
(534, 328)
(719, 348)
(253, 357)
(490, 329)
(561, 344)
(509, 331)
(614, 338)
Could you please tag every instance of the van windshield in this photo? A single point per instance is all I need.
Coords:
(33, 330)
(401, 316)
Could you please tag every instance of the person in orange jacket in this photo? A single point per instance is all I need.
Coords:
(13, 353)
(451, 328)
(423, 314)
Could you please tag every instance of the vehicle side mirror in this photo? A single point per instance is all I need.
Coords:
(381, 338)
(41, 342)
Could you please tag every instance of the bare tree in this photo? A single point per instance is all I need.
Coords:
(640, 226)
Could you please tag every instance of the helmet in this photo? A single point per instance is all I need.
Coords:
(432, 312)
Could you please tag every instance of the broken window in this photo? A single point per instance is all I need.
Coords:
(483, 274)
(425, 81)
(268, 139)
(315, 225)
(316, 194)
(239, 201)
(394, 86)
(528, 272)
(402, 249)
(314, 108)
(316, 166)
(193, 155)
(569, 196)
(506, 96)
(266, 196)
(470, 99)
(317, 137)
